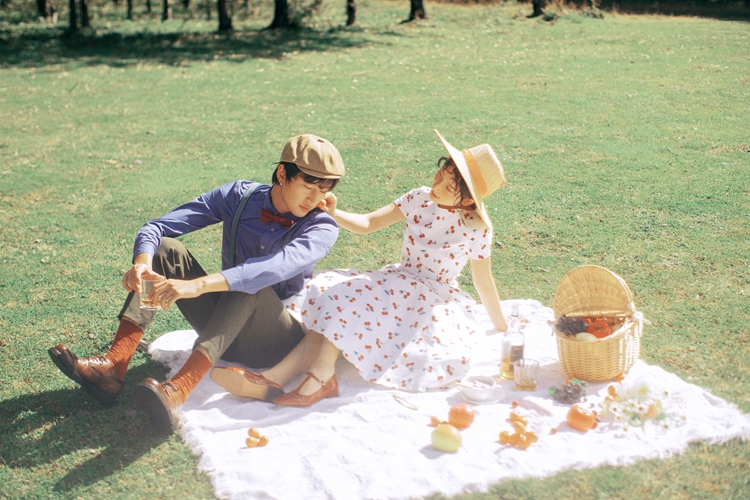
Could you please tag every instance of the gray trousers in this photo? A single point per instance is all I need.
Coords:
(253, 329)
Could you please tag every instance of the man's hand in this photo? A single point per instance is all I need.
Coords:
(328, 204)
(167, 292)
(131, 280)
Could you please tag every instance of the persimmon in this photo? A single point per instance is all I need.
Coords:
(461, 415)
(581, 419)
(599, 329)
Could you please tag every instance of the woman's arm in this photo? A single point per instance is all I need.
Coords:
(481, 274)
(362, 223)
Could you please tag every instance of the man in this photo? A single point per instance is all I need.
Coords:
(273, 236)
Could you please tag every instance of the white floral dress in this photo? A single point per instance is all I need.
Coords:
(406, 326)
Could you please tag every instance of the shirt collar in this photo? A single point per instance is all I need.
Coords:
(269, 206)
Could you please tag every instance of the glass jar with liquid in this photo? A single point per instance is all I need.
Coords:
(512, 346)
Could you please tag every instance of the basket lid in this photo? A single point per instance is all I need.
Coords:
(593, 291)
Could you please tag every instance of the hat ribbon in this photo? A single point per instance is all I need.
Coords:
(476, 172)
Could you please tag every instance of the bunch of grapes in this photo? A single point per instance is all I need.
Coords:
(570, 326)
(570, 393)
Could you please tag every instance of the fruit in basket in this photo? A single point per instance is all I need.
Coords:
(599, 328)
(581, 419)
(445, 437)
(570, 326)
(585, 336)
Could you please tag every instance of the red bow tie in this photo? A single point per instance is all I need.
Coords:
(266, 216)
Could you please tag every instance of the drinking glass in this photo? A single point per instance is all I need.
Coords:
(526, 374)
(146, 287)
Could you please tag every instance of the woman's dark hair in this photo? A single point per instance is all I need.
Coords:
(292, 171)
(458, 179)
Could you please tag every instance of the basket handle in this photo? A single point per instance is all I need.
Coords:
(638, 316)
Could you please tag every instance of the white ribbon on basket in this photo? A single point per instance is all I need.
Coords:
(638, 317)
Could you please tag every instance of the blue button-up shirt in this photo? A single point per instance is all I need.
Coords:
(262, 259)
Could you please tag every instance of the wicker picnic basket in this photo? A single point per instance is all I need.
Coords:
(593, 291)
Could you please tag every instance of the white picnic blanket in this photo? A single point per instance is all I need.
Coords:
(366, 445)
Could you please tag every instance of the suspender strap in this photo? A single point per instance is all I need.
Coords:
(282, 285)
(236, 222)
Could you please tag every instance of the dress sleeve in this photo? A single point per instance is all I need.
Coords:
(481, 244)
(407, 202)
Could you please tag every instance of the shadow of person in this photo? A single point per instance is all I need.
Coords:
(39, 429)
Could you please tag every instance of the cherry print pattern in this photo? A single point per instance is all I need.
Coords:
(423, 339)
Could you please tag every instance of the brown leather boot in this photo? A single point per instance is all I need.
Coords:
(96, 374)
(162, 402)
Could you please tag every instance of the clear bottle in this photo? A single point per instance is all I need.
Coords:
(512, 346)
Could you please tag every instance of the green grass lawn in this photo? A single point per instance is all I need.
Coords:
(625, 140)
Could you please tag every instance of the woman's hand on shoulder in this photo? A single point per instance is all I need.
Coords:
(328, 204)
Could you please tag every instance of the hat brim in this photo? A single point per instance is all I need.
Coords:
(463, 169)
(319, 175)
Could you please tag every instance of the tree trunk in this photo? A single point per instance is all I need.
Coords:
(225, 20)
(280, 15)
(84, 13)
(208, 9)
(43, 7)
(186, 3)
(130, 10)
(351, 12)
(73, 27)
(166, 13)
(148, 6)
(539, 6)
(417, 10)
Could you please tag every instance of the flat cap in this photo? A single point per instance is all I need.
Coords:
(314, 156)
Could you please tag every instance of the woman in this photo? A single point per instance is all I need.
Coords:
(408, 325)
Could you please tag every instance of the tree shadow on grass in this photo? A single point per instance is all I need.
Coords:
(42, 47)
(39, 429)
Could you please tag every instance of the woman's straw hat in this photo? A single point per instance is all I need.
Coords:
(481, 170)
